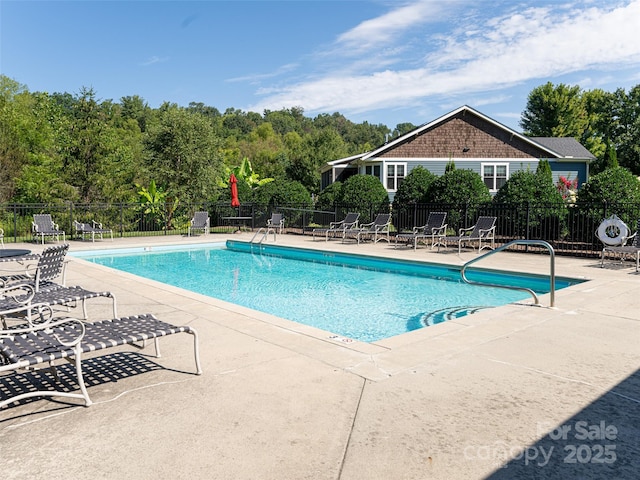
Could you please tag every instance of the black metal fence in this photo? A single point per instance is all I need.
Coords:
(570, 229)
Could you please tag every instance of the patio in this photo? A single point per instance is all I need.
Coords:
(504, 393)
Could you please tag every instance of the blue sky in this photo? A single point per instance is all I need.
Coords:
(379, 61)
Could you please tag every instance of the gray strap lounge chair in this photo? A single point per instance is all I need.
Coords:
(483, 231)
(630, 247)
(44, 226)
(275, 223)
(51, 265)
(94, 228)
(377, 230)
(435, 229)
(350, 222)
(21, 295)
(50, 340)
(199, 222)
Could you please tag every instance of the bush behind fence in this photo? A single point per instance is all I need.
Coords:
(569, 228)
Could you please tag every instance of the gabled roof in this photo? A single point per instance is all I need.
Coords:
(554, 147)
(346, 159)
(567, 147)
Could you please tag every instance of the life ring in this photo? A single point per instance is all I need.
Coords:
(613, 231)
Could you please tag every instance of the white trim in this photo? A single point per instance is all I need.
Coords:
(385, 165)
(495, 170)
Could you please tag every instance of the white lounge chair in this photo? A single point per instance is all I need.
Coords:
(51, 265)
(94, 228)
(350, 222)
(50, 340)
(377, 230)
(483, 230)
(435, 229)
(200, 221)
(44, 226)
(275, 223)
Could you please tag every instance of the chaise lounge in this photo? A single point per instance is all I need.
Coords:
(483, 230)
(350, 222)
(43, 226)
(377, 230)
(94, 228)
(52, 339)
(435, 229)
(51, 265)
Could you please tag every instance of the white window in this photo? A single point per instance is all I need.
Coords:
(495, 175)
(395, 175)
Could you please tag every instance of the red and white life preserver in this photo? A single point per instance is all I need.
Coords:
(613, 231)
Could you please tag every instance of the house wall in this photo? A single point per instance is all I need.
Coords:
(438, 166)
(569, 170)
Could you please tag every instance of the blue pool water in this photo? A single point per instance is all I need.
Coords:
(356, 297)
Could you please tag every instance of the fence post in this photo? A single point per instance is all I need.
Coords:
(528, 232)
(70, 219)
(121, 220)
(15, 223)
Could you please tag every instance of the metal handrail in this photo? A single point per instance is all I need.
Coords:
(552, 269)
(265, 233)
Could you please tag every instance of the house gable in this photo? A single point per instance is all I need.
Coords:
(463, 135)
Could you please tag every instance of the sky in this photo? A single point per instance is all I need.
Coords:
(379, 61)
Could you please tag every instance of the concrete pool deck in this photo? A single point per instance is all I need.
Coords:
(513, 392)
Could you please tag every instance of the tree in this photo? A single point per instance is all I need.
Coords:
(184, 154)
(544, 170)
(554, 111)
(626, 131)
(614, 190)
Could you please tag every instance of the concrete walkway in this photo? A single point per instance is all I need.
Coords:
(512, 392)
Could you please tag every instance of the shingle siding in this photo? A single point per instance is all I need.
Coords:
(462, 131)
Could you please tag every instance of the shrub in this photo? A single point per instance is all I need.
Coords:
(364, 194)
(460, 189)
(413, 188)
(328, 198)
(537, 203)
(618, 189)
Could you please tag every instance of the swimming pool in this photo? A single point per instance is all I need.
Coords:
(354, 296)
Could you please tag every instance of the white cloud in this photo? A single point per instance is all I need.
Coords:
(153, 60)
(507, 50)
(379, 31)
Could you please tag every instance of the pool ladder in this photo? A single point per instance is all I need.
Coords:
(552, 270)
(265, 233)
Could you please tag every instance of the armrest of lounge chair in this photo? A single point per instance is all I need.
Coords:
(486, 232)
(465, 231)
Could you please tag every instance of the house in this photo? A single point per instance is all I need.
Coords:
(472, 141)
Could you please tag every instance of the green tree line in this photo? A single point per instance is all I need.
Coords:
(62, 147)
